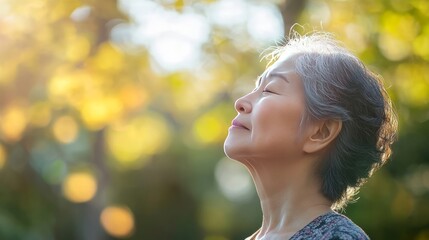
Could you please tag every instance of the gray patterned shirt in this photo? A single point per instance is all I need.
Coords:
(331, 226)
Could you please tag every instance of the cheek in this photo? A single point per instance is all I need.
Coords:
(278, 123)
(279, 114)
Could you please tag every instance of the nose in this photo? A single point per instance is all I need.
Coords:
(242, 105)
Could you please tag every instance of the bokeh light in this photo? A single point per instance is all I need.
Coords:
(97, 111)
(414, 78)
(174, 40)
(107, 58)
(421, 45)
(79, 187)
(320, 12)
(118, 221)
(418, 181)
(79, 50)
(13, 123)
(212, 127)
(131, 142)
(133, 98)
(215, 237)
(209, 129)
(3, 156)
(81, 13)
(228, 13)
(40, 114)
(130, 101)
(261, 16)
(63, 86)
(65, 129)
(215, 215)
(398, 33)
(233, 180)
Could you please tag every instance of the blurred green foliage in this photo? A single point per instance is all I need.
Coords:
(112, 116)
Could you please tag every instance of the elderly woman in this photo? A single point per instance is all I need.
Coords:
(313, 130)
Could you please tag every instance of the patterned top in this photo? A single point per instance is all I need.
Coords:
(329, 226)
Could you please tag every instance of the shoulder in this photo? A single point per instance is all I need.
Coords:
(331, 226)
(344, 229)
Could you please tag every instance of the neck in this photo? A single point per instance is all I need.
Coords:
(290, 197)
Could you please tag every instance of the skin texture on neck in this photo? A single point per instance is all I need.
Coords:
(290, 197)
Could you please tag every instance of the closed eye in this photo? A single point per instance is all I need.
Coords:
(268, 91)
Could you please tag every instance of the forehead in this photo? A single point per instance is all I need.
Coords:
(284, 65)
(284, 68)
(286, 60)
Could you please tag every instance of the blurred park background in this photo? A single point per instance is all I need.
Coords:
(113, 114)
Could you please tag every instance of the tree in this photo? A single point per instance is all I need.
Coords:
(118, 110)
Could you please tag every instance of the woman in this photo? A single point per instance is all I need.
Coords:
(313, 130)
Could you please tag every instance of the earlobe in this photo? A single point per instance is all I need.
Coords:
(324, 132)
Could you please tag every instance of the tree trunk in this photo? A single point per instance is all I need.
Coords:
(291, 10)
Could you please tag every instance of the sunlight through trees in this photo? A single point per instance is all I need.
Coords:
(128, 102)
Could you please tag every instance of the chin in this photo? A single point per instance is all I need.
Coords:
(232, 150)
(228, 148)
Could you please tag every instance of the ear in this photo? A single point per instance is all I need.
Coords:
(322, 133)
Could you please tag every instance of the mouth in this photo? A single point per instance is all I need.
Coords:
(237, 124)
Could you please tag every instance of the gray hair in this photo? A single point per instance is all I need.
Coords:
(338, 86)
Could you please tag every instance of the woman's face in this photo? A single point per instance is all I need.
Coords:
(268, 122)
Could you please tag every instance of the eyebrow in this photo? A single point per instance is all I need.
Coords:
(273, 74)
(279, 75)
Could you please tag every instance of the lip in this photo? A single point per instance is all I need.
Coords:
(237, 124)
